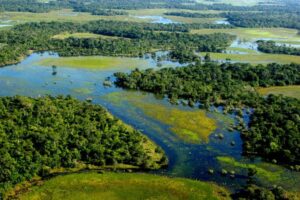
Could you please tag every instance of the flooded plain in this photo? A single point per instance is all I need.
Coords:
(189, 136)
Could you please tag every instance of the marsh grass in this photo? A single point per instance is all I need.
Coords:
(253, 34)
(261, 58)
(290, 91)
(120, 186)
(189, 125)
(95, 62)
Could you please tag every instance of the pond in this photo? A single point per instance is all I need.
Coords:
(222, 21)
(189, 136)
(157, 19)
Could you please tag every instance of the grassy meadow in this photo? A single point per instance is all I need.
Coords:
(120, 186)
(61, 15)
(282, 35)
(66, 35)
(69, 15)
(95, 62)
(255, 58)
(252, 34)
(290, 91)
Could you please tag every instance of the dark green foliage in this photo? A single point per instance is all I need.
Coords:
(32, 5)
(96, 10)
(212, 83)
(271, 47)
(275, 124)
(254, 192)
(134, 39)
(183, 55)
(193, 15)
(274, 130)
(266, 19)
(40, 134)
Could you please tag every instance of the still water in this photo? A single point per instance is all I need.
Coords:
(187, 159)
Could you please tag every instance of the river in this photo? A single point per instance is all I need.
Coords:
(153, 116)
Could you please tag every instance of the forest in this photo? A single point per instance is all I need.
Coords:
(133, 39)
(274, 126)
(266, 19)
(272, 47)
(257, 132)
(107, 6)
(41, 134)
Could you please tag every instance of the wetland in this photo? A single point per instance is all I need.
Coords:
(189, 136)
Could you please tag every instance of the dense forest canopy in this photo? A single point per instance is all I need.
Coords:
(40, 135)
(37, 135)
(133, 39)
(274, 126)
(271, 47)
(264, 19)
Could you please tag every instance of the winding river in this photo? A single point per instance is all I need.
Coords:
(200, 158)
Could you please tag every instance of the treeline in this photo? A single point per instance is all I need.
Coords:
(284, 6)
(274, 131)
(41, 134)
(274, 126)
(193, 15)
(134, 39)
(97, 10)
(210, 83)
(32, 5)
(264, 19)
(271, 47)
(288, 8)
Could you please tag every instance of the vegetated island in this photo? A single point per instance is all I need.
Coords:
(273, 130)
(48, 135)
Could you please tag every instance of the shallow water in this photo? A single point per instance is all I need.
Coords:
(157, 19)
(4, 25)
(238, 43)
(222, 22)
(186, 159)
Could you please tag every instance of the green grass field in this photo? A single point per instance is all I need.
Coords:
(253, 34)
(95, 62)
(290, 91)
(260, 58)
(61, 15)
(282, 35)
(65, 35)
(69, 15)
(122, 186)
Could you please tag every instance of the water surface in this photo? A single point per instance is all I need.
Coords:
(157, 19)
(192, 160)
